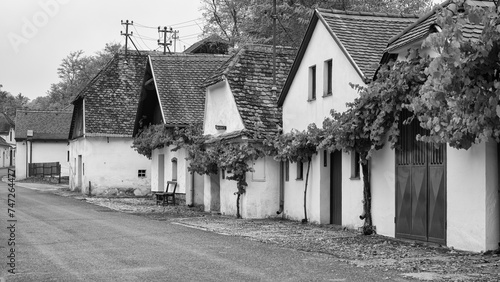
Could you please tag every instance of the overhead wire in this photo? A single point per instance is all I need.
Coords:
(140, 37)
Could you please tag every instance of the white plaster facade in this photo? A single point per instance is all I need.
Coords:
(261, 197)
(107, 164)
(167, 165)
(8, 156)
(41, 152)
(299, 111)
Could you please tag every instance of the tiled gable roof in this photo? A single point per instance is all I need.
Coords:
(365, 35)
(249, 74)
(362, 36)
(46, 125)
(4, 143)
(179, 82)
(111, 98)
(5, 123)
(421, 28)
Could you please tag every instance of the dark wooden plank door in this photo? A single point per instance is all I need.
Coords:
(420, 187)
(336, 188)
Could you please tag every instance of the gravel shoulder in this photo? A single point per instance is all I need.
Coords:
(420, 261)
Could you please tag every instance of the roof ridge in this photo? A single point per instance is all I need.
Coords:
(187, 55)
(44, 111)
(361, 13)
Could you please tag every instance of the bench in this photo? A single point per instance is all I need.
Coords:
(168, 195)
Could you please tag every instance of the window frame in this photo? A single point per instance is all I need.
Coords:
(141, 173)
(328, 78)
(300, 171)
(355, 166)
(312, 84)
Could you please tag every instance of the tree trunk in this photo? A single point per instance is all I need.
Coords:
(367, 200)
(305, 191)
(238, 215)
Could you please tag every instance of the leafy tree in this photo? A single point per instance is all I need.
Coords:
(75, 71)
(10, 103)
(250, 21)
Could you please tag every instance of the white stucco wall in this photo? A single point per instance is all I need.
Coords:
(261, 198)
(108, 164)
(472, 198)
(220, 109)
(41, 152)
(383, 184)
(187, 183)
(298, 113)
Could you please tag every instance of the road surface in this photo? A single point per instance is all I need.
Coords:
(64, 239)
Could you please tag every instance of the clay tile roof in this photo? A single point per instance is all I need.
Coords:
(111, 98)
(6, 123)
(362, 37)
(4, 143)
(250, 76)
(179, 80)
(423, 27)
(46, 125)
(365, 35)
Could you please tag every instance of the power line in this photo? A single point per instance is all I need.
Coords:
(155, 27)
(141, 39)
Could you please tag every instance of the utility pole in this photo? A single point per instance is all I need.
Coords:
(126, 34)
(165, 45)
(274, 16)
(175, 37)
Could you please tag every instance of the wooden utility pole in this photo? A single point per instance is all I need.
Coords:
(165, 44)
(126, 34)
(274, 45)
(175, 37)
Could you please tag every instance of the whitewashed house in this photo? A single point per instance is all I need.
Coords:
(446, 196)
(41, 137)
(8, 133)
(339, 48)
(172, 95)
(101, 158)
(239, 98)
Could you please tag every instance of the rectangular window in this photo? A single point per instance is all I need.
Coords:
(312, 83)
(287, 170)
(327, 78)
(355, 165)
(141, 173)
(68, 156)
(300, 170)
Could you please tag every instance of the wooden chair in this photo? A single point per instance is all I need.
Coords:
(168, 195)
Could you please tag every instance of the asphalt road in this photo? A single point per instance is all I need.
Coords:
(65, 239)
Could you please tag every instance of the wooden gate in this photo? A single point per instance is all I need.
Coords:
(420, 186)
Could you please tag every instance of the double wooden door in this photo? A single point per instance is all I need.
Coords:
(420, 186)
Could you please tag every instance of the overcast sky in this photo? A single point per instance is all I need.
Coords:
(37, 34)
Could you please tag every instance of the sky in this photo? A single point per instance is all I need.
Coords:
(36, 35)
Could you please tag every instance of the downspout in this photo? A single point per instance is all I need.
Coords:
(282, 188)
(191, 190)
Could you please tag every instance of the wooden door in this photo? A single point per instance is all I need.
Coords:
(336, 188)
(420, 187)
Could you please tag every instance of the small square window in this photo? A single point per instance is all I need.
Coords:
(312, 83)
(141, 173)
(300, 170)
